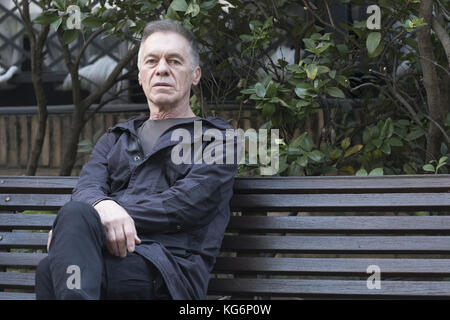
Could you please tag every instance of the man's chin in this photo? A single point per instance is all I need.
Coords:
(163, 102)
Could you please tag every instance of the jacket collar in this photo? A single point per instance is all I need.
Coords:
(134, 123)
(164, 140)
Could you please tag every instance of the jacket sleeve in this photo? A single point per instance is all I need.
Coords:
(93, 184)
(192, 201)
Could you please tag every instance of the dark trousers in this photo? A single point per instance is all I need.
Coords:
(78, 265)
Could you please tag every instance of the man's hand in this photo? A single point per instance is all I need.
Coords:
(119, 228)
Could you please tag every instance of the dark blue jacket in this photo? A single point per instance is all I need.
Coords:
(180, 211)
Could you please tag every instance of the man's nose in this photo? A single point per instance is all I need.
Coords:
(162, 68)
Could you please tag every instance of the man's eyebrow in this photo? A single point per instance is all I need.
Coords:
(170, 55)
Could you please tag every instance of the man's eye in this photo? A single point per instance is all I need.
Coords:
(151, 61)
(174, 62)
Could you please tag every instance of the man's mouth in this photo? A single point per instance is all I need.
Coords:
(161, 84)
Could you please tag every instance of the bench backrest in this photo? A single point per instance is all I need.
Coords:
(289, 236)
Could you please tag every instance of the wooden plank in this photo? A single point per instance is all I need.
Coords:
(45, 154)
(338, 244)
(293, 185)
(3, 142)
(24, 145)
(57, 144)
(16, 280)
(20, 259)
(31, 240)
(17, 296)
(360, 224)
(343, 202)
(330, 288)
(344, 184)
(26, 221)
(12, 141)
(332, 266)
(352, 224)
(33, 201)
(37, 184)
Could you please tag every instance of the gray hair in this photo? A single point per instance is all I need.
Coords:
(169, 25)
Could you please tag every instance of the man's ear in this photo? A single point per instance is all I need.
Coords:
(139, 78)
(197, 75)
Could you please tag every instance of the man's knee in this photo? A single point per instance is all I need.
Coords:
(78, 214)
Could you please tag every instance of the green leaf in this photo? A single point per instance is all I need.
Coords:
(92, 22)
(361, 173)
(193, 9)
(179, 5)
(268, 110)
(428, 167)
(300, 92)
(335, 154)
(302, 161)
(315, 155)
(309, 43)
(443, 160)
(345, 143)
(260, 90)
(335, 92)
(376, 172)
(353, 150)
(415, 134)
(55, 25)
(46, 18)
(388, 128)
(395, 142)
(332, 74)
(208, 4)
(60, 4)
(386, 148)
(70, 35)
(311, 71)
(307, 144)
(372, 42)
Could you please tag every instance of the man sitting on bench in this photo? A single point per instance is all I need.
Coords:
(139, 225)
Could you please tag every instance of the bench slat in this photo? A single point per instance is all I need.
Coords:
(38, 184)
(17, 280)
(332, 266)
(360, 224)
(17, 296)
(20, 259)
(19, 201)
(305, 202)
(338, 244)
(26, 221)
(329, 288)
(344, 184)
(342, 202)
(32, 240)
(335, 184)
(325, 266)
(288, 244)
(290, 287)
(356, 224)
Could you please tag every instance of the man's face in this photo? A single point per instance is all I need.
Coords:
(166, 73)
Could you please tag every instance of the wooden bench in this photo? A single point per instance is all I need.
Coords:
(301, 237)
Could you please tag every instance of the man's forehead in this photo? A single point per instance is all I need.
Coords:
(166, 41)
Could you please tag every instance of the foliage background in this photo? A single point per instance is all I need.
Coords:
(377, 100)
